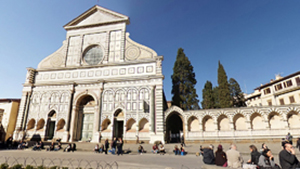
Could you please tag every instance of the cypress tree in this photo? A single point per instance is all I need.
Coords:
(208, 96)
(236, 94)
(224, 93)
(183, 80)
(216, 97)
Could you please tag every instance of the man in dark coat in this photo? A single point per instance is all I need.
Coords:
(287, 157)
(208, 155)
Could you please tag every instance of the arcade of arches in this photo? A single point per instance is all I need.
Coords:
(232, 123)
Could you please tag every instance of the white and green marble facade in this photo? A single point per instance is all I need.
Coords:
(126, 85)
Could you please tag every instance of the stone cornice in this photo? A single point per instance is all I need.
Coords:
(135, 62)
(103, 80)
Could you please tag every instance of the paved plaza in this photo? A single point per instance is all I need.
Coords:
(126, 161)
(89, 159)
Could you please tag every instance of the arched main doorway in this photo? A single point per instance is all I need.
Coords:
(85, 118)
(118, 124)
(50, 125)
(174, 128)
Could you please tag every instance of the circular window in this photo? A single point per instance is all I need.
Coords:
(93, 55)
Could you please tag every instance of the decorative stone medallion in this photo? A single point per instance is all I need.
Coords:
(132, 53)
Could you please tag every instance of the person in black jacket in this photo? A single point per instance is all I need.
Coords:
(287, 157)
(254, 155)
(298, 143)
(208, 155)
(106, 144)
(221, 159)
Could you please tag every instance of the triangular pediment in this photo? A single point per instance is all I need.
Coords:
(96, 16)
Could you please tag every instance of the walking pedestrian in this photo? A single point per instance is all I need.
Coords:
(106, 146)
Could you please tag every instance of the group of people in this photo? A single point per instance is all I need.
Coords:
(179, 151)
(52, 147)
(116, 145)
(262, 160)
(158, 149)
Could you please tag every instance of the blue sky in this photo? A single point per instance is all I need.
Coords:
(253, 39)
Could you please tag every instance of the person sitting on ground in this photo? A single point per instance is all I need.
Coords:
(287, 157)
(254, 155)
(162, 150)
(263, 147)
(176, 150)
(21, 145)
(182, 150)
(51, 147)
(96, 149)
(221, 159)
(208, 155)
(101, 149)
(234, 158)
(68, 148)
(41, 145)
(73, 147)
(37, 146)
(154, 149)
(266, 160)
(58, 147)
(141, 149)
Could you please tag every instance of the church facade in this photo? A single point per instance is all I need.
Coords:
(100, 84)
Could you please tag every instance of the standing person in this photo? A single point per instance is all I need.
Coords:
(119, 146)
(234, 158)
(106, 144)
(287, 157)
(113, 146)
(289, 138)
(266, 160)
(298, 143)
(9, 142)
(221, 159)
(208, 155)
(254, 155)
(182, 140)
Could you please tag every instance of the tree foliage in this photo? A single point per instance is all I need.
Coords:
(236, 94)
(224, 92)
(208, 96)
(184, 81)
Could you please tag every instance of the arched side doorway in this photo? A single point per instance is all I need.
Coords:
(174, 127)
(50, 129)
(85, 119)
(118, 124)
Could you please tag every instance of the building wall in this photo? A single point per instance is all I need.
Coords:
(10, 112)
(75, 100)
(238, 123)
(261, 97)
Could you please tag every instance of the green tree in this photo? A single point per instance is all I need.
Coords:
(216, 97)
(236, 93)
(224, 92)
(208, 96)
(183, 80)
